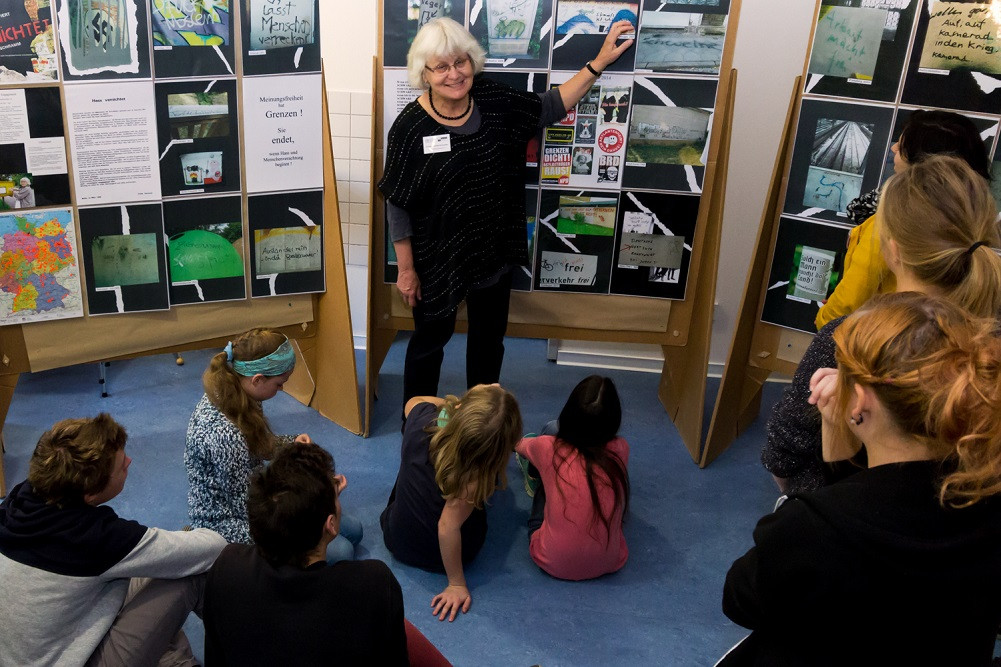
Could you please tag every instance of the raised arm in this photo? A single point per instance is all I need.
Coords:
(573, 89)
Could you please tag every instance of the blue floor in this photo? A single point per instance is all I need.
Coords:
(685, 526)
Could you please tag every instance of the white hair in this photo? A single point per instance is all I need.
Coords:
(441, 38)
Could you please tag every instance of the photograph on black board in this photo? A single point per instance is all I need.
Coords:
(198, 136)
(33, 166)
(838, 155)
(681, 41)
(514, 33)
(807, 263)
(669, 133)
(401, 19)
(955, 62)
(29, 44)
(581, 26)
(124, 261)
(654, 244)
(205, 249)
(575, 239)
(280, 36)
(859, 48)
(103, 40)
(286, 243)
(521, 279)
(192, 39)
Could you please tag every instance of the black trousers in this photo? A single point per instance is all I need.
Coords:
(486, 310)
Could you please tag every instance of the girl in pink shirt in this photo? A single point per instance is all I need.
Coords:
(575, 527)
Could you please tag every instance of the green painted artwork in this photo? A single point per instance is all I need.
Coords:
(199, 254)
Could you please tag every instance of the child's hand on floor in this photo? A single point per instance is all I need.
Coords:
(450, 600)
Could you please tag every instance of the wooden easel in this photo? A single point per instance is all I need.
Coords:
(319, 323)
(757, 349)
(681, 328)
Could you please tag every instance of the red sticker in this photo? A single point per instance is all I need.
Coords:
(610, 140)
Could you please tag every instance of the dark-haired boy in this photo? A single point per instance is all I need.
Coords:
(279, 602)
(78, 584)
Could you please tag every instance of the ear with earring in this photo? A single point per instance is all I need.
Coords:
(855, 420)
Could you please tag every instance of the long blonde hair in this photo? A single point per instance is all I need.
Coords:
(935, 369)
(471, 450)
(937, 211)
(222, 386)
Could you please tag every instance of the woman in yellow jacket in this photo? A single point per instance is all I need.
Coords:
(925, 133)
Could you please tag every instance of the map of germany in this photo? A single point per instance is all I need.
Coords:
(39, 275)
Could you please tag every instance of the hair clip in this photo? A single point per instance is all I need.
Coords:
(229, 351)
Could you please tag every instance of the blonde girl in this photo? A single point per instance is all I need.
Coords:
(229, 437)
(453, 457)
(900, 563)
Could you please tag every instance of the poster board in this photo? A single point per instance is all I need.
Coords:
(604, 313)
(870, 67)
(301, 287)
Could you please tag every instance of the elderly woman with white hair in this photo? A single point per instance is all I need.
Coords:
(454, 187)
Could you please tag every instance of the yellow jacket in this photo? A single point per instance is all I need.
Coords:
(865, 273)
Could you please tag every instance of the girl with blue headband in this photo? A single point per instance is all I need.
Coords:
(229, 437)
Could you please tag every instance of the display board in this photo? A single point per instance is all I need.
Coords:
(620, 223)
(871, 64)
(144, 167)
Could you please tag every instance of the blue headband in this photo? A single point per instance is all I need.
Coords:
(279, 362)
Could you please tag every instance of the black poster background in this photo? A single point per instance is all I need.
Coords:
(271, 211)
(45, 120)
(142, 49)
(399, 31)
(955, 90)
(521, 278)
(889, 63)
(687, 92)
(788, 313)
(679, 214)
(547, 240)
(283, 60)
(107, 221)
(810, 113)
(179, 216)
(171, 174)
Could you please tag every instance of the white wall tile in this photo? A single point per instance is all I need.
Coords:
(342, 172)
(361, 148)
(361, 103)
(344, 211)
(343, 186)
(359, 235)
(338, 101)
(358, 255)
(358, 214)
(345, 231)
(341, 146)
(359, 192)
(340, 125)
(361, 126)
(360, 171)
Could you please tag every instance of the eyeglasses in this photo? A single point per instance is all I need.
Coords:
(443, 69)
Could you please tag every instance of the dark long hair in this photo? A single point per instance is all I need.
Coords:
(937, 132)
(589, 421)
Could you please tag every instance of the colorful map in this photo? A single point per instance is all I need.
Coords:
(39, 275)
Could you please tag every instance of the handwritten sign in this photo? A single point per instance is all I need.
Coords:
(651, 250)
(125, 260)
(811, 274)
(847, 41)
(961, 35)
(288, 250)
(275, 24)
(557, 269)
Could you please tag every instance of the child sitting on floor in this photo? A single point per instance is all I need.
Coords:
(229, 437)
(453, 457)
(575, 527)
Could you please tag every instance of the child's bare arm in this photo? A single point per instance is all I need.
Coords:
(456, 595)
(417, 400)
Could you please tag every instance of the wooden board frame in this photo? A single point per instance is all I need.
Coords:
(685, 332)
(328, 378)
